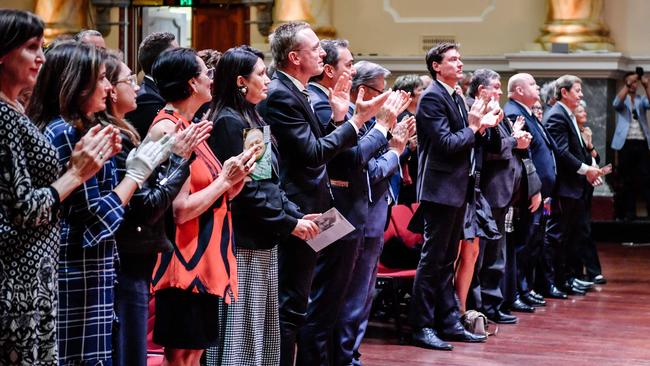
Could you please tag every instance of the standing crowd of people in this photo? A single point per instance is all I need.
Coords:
(201, 185)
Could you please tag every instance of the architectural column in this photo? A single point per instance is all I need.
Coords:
(62, 16)
(318, 13)
(578, 23)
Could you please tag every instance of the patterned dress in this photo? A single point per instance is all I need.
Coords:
(29, 241)
(87, 258)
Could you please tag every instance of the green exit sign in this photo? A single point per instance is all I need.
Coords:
(185, 3)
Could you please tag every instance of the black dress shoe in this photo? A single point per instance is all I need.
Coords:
(586, 284)
(463, 336)
(531, 300)
(599, 279)
(555, 293)
(426, 338)
(575, 290)
(502, 318)
(521, 307)
(536, 295)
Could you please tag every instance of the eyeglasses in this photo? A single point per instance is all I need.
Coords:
(210, 73)
(536, 108)
(316, 48)
(131, 79)
(375, 89)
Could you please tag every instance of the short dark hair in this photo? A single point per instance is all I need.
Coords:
(331, 48)
(210, 57)
(481, 77)
(237, 61)
(172, 72)
(408, 83)
(629, 73)
(565, 82)
(284, 40)
(151, 47)
(436, 54)
(16, 28)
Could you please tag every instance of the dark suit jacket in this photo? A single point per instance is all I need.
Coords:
(321, 104)
(149, 104)
(304, 148)
(261, 213)
(570, 153)
(444, 146)
(542, 147)
(351, 168)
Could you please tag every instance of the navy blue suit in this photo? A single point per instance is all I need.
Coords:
(358, 299)
(349, 182)
(567, 225)
(321, 104)
(445, 144)
(542, 150)
(304, 149)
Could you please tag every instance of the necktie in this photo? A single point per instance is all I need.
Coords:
(575, 126)
(459, 101)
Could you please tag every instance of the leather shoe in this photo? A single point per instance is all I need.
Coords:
(521, 307)
(531, 300)
(574, 290)
(599, 279)
(536, 295)
(555, 293)
(462, 335)
(426, 338)
(587, 284)
(502, 318)
(575, 286)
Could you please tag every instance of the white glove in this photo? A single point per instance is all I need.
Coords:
(145, 158)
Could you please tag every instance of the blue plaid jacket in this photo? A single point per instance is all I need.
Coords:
(87, 257)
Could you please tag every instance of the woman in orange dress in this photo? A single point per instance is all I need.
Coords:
(189, 280)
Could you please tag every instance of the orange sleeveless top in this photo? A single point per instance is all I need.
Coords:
(203, 259)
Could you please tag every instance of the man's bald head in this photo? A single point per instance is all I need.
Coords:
(522, 88)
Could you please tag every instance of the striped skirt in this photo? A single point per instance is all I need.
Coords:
(249, 327)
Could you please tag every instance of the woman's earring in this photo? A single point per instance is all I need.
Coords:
(243, 90)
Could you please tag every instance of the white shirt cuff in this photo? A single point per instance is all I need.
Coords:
(583, 169)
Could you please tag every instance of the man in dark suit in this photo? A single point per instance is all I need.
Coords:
(148, 100)
(523, 93)
(374, 175)
(304, 149)
(446, 136)
(349, 180)
(576, 170)
(504, 185)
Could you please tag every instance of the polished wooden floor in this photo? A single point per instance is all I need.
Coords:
(609, 326)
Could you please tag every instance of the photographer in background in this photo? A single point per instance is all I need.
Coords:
(632, 142)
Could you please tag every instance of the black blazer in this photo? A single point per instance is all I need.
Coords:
(303, 145)
(149, 104)
(570, 153)
(444, 146)
(148, 219)
(503, 172)
(261, 213)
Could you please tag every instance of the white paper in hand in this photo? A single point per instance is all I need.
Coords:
(333, 226)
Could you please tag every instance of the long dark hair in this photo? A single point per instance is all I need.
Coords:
(113, 69)
(64, 83)
(16, 28)
(237, 61)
